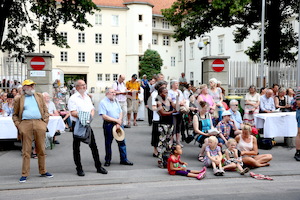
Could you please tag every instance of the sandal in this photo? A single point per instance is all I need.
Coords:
(34, 155)
(246, 170)
(201, 158)
(135, 124)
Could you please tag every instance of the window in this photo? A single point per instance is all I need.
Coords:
(140, 37)
(166, 40)
(98, 38)
(153, 22)
(191, 75)
(115, 58)
(180, 53)
(154, 39)
(63, 56)
(64, 35)
(140, 18)
(46, 37)
(98, 57)
(115, 20)
(107, 77)
(191, 50)
(115, 39)
(240, 46)
(45, 51)
(98, 19)
(221, 44)
(115, 77)
(165, 24)
(81, 56)
(99, 77)
(173, 61)
(81, 37)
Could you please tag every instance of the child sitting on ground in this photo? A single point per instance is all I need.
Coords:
(174, 163)
(213, 157)
(233, 160)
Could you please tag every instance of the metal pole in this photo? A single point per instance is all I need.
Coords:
(298, 62)
(262, 45)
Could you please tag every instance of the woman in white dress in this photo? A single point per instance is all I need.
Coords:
(252, 100)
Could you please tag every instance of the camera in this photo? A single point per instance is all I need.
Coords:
(201, 45)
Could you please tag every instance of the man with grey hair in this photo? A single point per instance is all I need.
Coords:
(236, 116)
(267, 104)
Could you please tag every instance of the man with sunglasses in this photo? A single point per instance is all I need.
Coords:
(236, 116)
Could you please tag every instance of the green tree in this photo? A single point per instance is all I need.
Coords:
(150, 63)
(192, 18)
(22, 17)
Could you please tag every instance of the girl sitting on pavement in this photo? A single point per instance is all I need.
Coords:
(213, 156)
(233, 160)
(177, 167)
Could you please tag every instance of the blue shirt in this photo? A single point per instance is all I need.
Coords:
(9, 111)
(109, 108)
(31, 108)
(267, 103)
(237, 118)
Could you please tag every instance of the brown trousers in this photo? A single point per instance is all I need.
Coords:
(29, 130)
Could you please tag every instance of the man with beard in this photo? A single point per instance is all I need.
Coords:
(80, 103)
(31, 118)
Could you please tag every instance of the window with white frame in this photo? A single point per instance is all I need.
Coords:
(115, 77)
(100, 77)
(115, 38)
(98, 57)
(63, 56)
(180, 53)
(81, 37)
(98, 19)
(98, 38)
(107, 77)
(221, 44)
(191, 50)
(115, 20)
(239, 46)
(115, 58)
(165, 24)
(45, 51)
(153, 22)
(154, 38)
(81, 56)
(64, 35)
(173, 61)
(166, 40)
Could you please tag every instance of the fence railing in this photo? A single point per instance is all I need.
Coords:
(243, 74)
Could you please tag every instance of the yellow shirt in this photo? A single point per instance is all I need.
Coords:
(133, 86)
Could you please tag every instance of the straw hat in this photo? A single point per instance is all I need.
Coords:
(119, 134)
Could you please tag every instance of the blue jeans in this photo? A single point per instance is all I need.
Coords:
(107, 127)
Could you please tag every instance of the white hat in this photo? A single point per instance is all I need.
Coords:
(226, 113)
(119, 134)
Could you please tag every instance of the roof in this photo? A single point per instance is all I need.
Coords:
(157, 4)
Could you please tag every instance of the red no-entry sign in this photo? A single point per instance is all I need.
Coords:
(37, 63)
(218, 65)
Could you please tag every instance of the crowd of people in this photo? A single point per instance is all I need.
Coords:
(225, 136)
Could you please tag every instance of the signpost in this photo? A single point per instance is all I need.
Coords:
(218, 65)
(37, 63)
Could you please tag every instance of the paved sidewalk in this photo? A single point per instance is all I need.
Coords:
(60, 163)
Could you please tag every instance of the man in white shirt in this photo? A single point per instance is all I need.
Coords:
(80, 101)
(120, 89)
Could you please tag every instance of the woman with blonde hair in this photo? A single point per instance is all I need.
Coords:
(217, 96)
(247, 144)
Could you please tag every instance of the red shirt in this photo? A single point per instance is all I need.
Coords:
(175, 161)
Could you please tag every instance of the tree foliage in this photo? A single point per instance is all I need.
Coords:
(150, 63)
(22, 17)
(192, 18)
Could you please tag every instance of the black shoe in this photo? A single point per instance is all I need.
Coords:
(107, 164)
(127, 162)
(127, 126)
(102, 170)
(297, 156)
(80, 173)
(57, 133)
(56, 142)
(155, 155)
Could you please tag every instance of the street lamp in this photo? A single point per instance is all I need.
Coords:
(201, 44)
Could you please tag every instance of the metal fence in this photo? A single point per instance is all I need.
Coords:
(243, 74)
(11, 69)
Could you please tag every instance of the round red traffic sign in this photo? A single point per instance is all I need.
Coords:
(37, 63)
(218, 65)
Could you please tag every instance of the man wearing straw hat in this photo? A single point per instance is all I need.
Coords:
(111, 113)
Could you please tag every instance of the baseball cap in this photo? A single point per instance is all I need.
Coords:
(28, 82)
(226, 113)
(134, 76)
